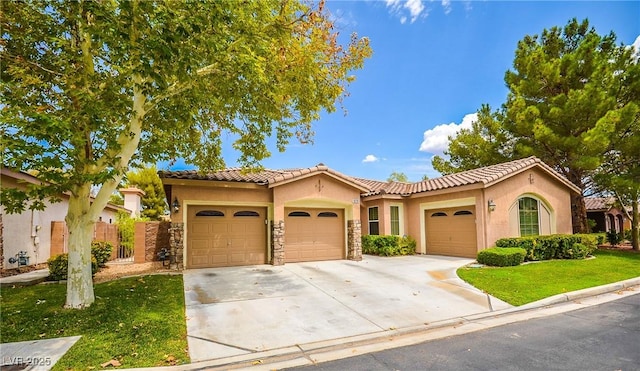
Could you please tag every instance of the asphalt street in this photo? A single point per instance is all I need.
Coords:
(601, 337)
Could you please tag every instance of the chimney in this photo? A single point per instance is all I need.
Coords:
(133, 200)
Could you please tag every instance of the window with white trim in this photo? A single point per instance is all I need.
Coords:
(528, 216)
(395, 220)
(374, 222)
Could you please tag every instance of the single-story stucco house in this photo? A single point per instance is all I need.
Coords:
(607, 216)
(41, 233)
(230, 218)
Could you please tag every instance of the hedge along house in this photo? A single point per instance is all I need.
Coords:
(231, 218)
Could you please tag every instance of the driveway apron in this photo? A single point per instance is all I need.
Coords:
(240, 310)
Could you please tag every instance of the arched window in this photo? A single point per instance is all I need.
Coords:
(209, 213)
(300, 214)
(463, 212)
(529, 217)
(439, 213)
(246, 213)
(327, 214)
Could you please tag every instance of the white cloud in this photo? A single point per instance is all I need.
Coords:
(370, 158)
(415, 8)
(446, 4)
(436, 140)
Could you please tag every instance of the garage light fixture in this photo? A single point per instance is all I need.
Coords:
(492, 205)
(175, 205)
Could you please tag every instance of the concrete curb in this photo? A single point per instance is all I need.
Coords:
(580, 294)
(312, 353)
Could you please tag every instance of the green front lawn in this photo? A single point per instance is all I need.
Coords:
(530, 282)
(138, 321)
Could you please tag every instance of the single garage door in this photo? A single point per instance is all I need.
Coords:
(313, 234)
(226, 236)
(452, 231)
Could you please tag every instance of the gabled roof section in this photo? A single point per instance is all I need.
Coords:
(268, 177)
(599, 203)
(228, 175)
(394, 188)
(484, 176)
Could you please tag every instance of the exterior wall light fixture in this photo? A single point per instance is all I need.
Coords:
(175, 205)
(492, 205)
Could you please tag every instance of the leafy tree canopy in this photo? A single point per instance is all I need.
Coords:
(398, 176)
(154, 203)
(565, 86)
(90, 87)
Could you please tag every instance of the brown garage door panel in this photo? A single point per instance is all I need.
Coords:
(453, 235)
(221, 239)
(313, 237)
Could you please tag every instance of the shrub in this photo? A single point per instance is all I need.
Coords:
(388, 245)
(59, 265)
(502, 256)
(559, 246)
(600, 238)
(614, 238)
(579, 251)
(101, 250)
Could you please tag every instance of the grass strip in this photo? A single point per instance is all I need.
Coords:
(531, 282)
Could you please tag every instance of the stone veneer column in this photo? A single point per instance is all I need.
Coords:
(176, 244)
(277, 232)
(354, 240)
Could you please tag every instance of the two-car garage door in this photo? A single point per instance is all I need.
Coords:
(452, 231)
(223, 236)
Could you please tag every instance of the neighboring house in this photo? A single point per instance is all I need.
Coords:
(278, 216)
(33, 230)
(606, 215)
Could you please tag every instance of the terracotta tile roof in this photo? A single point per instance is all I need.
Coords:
(486, 176)
(598, 203)
(379, 187)
(229, 175)
(266, 177)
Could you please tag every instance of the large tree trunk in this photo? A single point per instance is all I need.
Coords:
(579, 214)
(578, 208)
(80, 224)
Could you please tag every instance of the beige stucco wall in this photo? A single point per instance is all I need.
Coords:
(543, 187)
(490, 226)
(30, 231)
(317, 191)
(384, 214)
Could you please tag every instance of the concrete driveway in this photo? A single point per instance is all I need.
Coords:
(241, 310)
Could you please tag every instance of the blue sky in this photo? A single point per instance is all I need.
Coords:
(434, 64)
